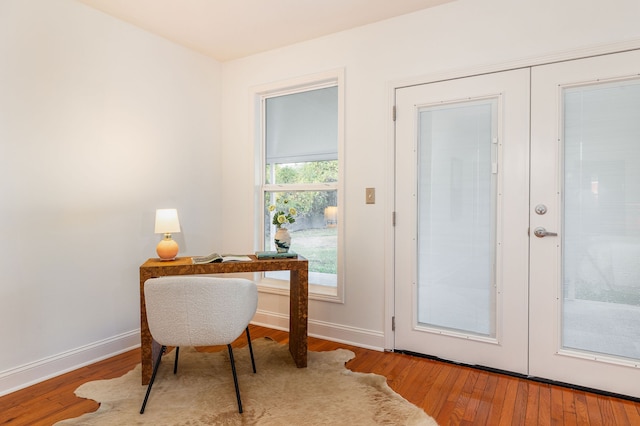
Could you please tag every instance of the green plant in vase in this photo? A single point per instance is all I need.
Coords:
(282, 215)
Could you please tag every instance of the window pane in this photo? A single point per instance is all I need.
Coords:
(601, 238)
(301, 162)
(302, 127)
(300, 173)
(314, 233)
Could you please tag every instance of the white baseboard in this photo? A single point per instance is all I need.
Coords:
(354, 336)
(38, 371)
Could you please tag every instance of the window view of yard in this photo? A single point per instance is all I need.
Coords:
(314, 234)
(319, 246)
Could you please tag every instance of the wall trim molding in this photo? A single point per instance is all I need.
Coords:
(38, 371)
(354, 336)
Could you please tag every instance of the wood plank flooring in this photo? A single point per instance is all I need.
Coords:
(452, 394)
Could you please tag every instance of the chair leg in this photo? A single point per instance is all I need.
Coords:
(253, 361)
(153, 378)
(235, 378)
(175, 363)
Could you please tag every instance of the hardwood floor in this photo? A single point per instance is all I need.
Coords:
(452, 394)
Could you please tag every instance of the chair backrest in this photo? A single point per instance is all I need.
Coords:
(199, 311)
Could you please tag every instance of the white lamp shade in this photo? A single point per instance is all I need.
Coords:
(331, 213)
(167, 221)
(331, 216)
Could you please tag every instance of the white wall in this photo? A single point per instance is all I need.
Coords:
(100, 124)
(462, 35)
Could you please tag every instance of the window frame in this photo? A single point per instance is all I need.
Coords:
(258, 97)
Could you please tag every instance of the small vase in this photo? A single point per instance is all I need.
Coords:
(282, 240)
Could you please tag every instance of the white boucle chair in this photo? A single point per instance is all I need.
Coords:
(199, 311)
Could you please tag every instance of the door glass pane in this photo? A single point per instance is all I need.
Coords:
(601, 238)
(456, 211)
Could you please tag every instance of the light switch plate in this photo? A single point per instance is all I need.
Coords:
(370, 195)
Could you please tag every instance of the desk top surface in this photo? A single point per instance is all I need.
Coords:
(186, 265)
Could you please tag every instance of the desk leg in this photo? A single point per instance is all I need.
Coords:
(146, 342)
(298, 314)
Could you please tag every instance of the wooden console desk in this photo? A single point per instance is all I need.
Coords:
(298, 303)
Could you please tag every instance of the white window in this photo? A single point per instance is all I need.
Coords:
(301, 141)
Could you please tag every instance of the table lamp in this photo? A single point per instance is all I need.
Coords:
(166, 223)
(331, 216)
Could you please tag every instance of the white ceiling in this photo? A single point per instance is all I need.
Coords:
(231, 29)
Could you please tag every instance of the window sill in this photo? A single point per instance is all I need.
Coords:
(281, 287)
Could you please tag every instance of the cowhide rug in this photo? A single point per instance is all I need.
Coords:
(202, 393)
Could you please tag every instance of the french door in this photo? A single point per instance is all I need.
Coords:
(585, 171)
(518, 221)
(461, 219)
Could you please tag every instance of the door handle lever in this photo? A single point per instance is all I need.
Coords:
(540, 232)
